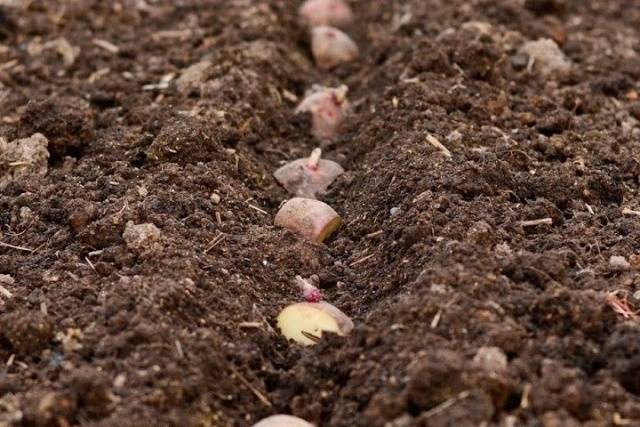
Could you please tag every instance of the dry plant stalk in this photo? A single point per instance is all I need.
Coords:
(621, 305)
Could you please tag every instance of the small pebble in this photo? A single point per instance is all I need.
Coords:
(6, 279)
(519, 61)
(619, 263)
(394, 211)
(438, 288)
(491, 359)
(193, 76)
(215, 198)
(23, 157)
(454, 137)
(140, 236)
(480, 28)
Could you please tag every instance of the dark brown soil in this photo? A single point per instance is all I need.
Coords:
(433, 262)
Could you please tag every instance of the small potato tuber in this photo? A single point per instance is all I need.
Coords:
(308, 177)
(305, 322)
(331, 47)
(546, 57)
(329, 108)
(312, 219)
(282, 421)
(334, 13)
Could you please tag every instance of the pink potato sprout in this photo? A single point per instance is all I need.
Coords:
(309, 291)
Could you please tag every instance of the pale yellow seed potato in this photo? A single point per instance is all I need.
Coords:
(305, 322)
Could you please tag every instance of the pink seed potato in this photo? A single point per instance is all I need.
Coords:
(308, 177)
(329, 109)
(331, 47)
(333, 13)
(311, 219)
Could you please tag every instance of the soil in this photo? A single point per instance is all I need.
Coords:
(433, 263)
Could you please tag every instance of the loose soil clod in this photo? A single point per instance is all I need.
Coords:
(140, 236)
(67, 122)
(23, 157)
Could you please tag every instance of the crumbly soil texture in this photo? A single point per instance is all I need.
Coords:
(481, 283)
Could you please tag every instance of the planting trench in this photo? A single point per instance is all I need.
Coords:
(441, 261)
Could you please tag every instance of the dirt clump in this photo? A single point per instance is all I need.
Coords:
(185, 140)
(67, 122)
(23, 158)
(26, 332)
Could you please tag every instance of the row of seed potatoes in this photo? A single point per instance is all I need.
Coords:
(309, 178)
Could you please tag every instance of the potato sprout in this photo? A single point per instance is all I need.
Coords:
(309, 291)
